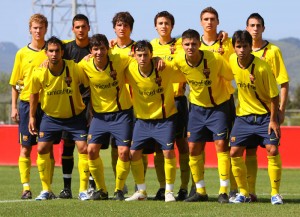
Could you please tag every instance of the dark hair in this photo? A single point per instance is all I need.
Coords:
(78, 17)
(124, 17)
(142, 45)
(165, 14)
(98, 40)
(209, 10)
(242, 36)
(190, 33)
(54, 40)
(255, 16)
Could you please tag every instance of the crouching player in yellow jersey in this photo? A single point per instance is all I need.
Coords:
(257, 121)
(58, 89)
(112, 113)
(167, 48)
(155, 111)
(206, 73)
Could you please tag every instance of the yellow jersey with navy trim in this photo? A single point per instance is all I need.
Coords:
(25, 61)
(272, 55)
(153, 96)
(256, 86)
(167, 52)
(211, 90)
(108, 90)
(55, 93)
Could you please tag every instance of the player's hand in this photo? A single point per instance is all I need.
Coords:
(15, 115)
(222, 36)
(159, 63)
(31, 126)
(88, 57)
(273, 125)
(45, 63)
(112, 43)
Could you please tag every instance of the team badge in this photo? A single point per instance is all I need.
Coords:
(25, 138)
(232, 139)
(41, 134)
(113, 74)
(221, 51)
(206, 72)
(172, 48)
(158, 81)
(68, 80)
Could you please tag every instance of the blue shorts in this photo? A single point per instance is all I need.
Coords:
(206, 124)
(25, 138)
(147, 132)
(182, 116)
(251, 131)
(115, 124)
(51, 128)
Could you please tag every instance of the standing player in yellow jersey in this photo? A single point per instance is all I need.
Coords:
(167, 47)
(257, 121)
(75, 50)
(207, 74)
(155, 111)
(272, 55)
(210, 40)
(112, 113)
(26, 59)
(57, 87)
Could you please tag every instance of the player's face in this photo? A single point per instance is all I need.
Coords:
(243, 50)
(209, 22)
(255, 28)
(191, 46)
(81, 29)
(163, 26)
(99, 52)
(38, 31)
(122, 30)
(54, 53)
(143, 57)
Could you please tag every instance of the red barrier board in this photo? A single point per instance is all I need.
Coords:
(9, 149)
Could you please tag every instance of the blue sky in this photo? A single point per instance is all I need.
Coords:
(281, 17)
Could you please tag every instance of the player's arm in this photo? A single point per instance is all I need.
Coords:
(34, 99)
(274, 125)
(284, 90)
(14, 104)
(225, 69)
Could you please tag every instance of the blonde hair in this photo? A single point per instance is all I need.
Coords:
(38, 18)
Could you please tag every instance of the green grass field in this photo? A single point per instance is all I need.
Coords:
(11, 205)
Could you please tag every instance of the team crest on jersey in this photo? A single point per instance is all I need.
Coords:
(158, 81)
(113, 74)
(206, 72)
(172, 48)
(232, 139)
(221, 51)
(41, 134)
(68, 80)
(25, 138)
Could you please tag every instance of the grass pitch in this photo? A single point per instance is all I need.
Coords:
(11, 205)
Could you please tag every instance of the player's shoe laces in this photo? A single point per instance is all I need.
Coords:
(197, 198)
(44, 195)
(182, 194)
(139, 195)
(241, 199)
(26, 195)
(232, 195)
(83, 196)
(99, 195)
(169, 197)
(276, 199)
(223, 198)
(253, 197)
(160, 194)
(192, 191)
(66, 193)
(119, 195)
